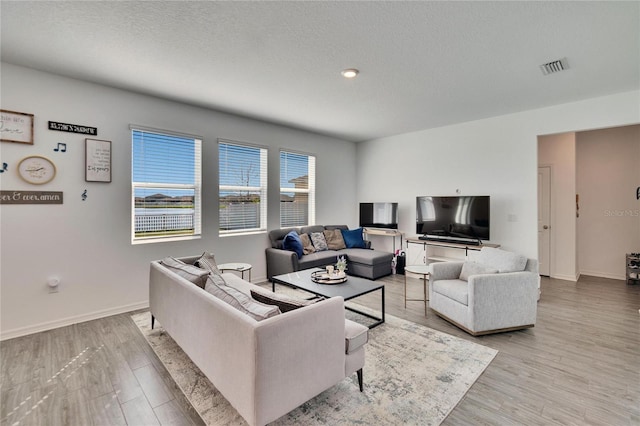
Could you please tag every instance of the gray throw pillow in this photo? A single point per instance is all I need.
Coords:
(473, 268)
(189, 272)
(245, 304)
(319, 243)
(207, 261)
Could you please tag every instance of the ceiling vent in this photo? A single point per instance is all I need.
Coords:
(554, 66)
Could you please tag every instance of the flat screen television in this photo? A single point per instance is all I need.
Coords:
(379, 215)
(463, 219)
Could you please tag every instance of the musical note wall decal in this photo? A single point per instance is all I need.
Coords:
(62, 147)
(4, 167)
(84, 195)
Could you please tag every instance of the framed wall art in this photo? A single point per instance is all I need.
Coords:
(16, 127)
(97, 160)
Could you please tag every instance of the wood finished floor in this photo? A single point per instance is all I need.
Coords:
(579, 365)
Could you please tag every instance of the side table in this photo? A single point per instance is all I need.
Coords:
(418, 270)
(237, 267)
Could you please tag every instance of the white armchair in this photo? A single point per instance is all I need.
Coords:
(497, 293)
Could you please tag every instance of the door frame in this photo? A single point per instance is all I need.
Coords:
(552, 245)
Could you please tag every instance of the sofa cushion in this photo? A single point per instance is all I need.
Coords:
(503, 261)
(318, 240)
(189, 272)
(474, 268)
(241, 301)
(367, 256)
(318, 259)
(307, 245)
(353, 238)
(282, 301)
(207, 261)
(355, 336)
(457, 290)
(334, 239)
(293, 243)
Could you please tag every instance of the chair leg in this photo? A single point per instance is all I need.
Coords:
(153, 320)
(359, 372)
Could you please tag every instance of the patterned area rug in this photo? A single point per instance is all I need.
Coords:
(413, 375)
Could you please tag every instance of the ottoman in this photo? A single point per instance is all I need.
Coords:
(367, 263)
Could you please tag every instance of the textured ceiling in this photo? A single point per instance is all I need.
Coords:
(423, 64)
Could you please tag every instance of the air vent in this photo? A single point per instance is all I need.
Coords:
(554, 66)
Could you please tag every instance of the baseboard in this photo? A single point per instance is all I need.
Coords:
(603, 275)
(573, 278)
(50, 325)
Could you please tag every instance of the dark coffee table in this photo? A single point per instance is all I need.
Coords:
(352, 288)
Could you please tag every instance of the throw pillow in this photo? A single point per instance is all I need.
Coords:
(189, 272)
(282, 301)
(473, 268)
(319, 243)
(292, 242)
(334, 239)
(502, 260)
(353, 238)
(307, 246)
(256, 310)
(207, 261)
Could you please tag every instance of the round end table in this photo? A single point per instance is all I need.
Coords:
(237, 267)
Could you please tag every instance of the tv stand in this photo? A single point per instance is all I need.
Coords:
(466, 246)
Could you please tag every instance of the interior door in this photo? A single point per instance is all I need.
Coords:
(544, 223)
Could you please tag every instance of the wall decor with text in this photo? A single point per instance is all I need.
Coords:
(16, 127)
(73, 128)
(30, 197)
(36, 169)
(97, 160)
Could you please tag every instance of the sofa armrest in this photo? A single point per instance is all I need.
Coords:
(513, 295)
(445, 271)
(298, 355)
(280, 262)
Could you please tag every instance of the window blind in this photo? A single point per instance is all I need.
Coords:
(297, 189)
(166, 186)
(243, 188)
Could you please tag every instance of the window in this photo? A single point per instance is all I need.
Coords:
(243, 188)
(297, 189)
(165, 182)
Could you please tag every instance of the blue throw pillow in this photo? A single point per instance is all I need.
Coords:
(353, 238)
(292, 242)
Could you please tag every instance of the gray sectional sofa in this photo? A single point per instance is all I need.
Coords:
(362, 262)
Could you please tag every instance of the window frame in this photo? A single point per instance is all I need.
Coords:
(196, 187)
(310, 191)
(262, 189)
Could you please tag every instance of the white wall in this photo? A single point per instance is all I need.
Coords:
(559, 152)
(496, 156)
(87, 243)
(608, 173)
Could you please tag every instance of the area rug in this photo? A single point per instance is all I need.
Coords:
(413, 375)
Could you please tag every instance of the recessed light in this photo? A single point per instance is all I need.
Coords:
(350, 73)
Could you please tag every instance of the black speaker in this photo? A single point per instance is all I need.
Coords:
(401, 261)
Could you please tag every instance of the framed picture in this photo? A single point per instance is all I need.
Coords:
(97, 160)
(16, 127)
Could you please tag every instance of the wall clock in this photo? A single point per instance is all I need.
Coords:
(36, 170)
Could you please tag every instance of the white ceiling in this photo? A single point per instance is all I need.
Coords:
(423, 64)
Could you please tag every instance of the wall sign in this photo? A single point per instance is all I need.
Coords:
(97, 160)
(30, 197)
(73, 128)
(16, 127)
